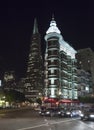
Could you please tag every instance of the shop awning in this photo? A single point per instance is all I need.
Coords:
(68, 101)
(65, 101)
(50, 100)
(75, 101)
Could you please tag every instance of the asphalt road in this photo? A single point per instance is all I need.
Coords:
(27, 119)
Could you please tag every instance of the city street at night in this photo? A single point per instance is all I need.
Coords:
(28, 119)
(47, 65)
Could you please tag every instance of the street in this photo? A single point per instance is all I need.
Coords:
(28, 119)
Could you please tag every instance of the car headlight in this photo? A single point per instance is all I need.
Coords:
(81, 114)
(47, 112)
(68, 113)
(59, 112)
(91, 116)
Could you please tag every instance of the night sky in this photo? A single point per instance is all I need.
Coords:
(74, 19)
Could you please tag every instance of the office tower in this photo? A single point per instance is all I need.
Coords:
(34, 79)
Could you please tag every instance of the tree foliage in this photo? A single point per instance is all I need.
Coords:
(14, 96)
(1, 94)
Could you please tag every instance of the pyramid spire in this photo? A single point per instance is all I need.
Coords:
(35, 27)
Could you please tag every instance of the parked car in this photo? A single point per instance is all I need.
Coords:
(87, 114)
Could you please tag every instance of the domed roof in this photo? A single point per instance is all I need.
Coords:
(53, 27)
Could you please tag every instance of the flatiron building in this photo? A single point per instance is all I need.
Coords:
(60, 65)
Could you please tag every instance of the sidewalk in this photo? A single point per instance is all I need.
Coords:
(5, 110)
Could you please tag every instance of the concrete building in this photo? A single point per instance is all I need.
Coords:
(84, 83)
(60, 66)
(9, 81)
(85, 61)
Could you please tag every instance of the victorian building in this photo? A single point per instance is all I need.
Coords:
(60, 66)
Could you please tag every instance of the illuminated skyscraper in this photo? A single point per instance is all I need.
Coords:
(60, 65)
(34, 80)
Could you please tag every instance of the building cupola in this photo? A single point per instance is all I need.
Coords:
(53, 27)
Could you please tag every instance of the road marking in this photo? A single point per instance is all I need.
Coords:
(27, 128)
(58, 122)
(46, 124)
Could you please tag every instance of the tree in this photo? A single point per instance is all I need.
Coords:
(14, 96)
(2, 95)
